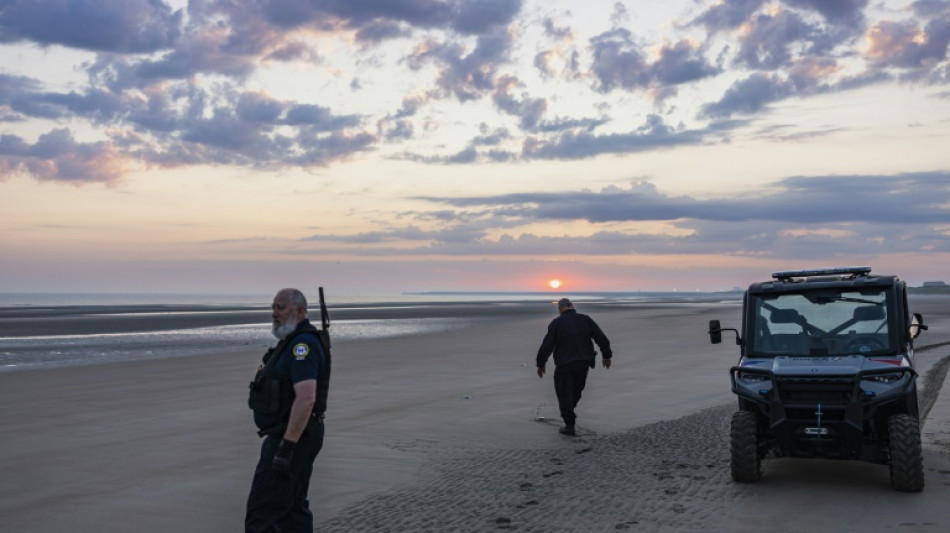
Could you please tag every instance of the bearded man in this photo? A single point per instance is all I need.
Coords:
(288, 397)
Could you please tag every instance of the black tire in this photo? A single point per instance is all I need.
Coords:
(744, 447)
(907, 465)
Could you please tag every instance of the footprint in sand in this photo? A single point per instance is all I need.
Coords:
(527, 504)
(626, 525)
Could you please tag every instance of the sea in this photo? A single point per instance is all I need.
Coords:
(41, 330)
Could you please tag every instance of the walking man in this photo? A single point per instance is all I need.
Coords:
(571, 336)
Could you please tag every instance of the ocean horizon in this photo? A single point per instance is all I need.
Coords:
(42, 299)
(39, 330)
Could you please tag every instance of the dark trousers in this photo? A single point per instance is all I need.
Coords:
(569, 381)
(278, 504)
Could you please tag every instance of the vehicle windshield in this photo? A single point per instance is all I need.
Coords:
(821, 323)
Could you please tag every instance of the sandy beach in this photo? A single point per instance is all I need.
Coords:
(451, 431)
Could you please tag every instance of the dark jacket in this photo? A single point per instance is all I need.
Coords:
(571, 336)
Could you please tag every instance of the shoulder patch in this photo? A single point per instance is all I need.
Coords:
(301, 351)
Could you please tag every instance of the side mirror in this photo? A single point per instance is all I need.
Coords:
(715, 332)
(917, 325)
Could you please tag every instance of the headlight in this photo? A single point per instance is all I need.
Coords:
(885, 378)
(749, 377)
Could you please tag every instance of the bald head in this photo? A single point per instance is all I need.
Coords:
(564, 304)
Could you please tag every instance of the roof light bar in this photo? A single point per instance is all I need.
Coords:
(838, 271)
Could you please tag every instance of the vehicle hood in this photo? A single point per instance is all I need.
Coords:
(823, 366)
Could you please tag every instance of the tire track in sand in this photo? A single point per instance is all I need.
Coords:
(671, 475)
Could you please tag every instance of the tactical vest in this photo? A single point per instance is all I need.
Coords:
(272, 394)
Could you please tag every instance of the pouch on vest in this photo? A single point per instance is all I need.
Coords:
(265, 394)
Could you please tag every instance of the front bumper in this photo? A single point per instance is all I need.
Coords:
(831, 416)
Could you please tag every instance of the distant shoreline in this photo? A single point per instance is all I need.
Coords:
(929, 290)
(562, 293)
(79, 319)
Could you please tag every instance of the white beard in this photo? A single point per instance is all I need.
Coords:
(284, 329)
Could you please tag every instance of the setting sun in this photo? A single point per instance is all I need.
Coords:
(554, 283)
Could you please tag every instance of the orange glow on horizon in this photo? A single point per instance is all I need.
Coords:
(554, 283)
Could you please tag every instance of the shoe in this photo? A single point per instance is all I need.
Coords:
(567, 430)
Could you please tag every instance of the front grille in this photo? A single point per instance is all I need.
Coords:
(811, 414)
(829, 391)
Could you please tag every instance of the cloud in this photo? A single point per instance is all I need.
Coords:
(200, 52)
(56, 156)
(530, 110)
(467, 76)
(905, 44)
(727, 15)
(768, 41)
(319, 150)
(457, 233)
(479, 16)
(730, 15)
(809, 77)
(397, 126)
(552, 30)
(920, 198)
(25, 97)
(839, 12)
(463, 156)
(226, 139)
(654, 134)
(562, 60)
(180, 125)
(382, 30)
(574, 139)
(749, 96)
(767, 240)
(174, 89)
(491, 138)
(373, 19)
(800, 218)
(126, 26)
(620, 63)
(561, 124)
(16, 95)
(798, 54)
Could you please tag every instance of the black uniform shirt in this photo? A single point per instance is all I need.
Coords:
(299, 360)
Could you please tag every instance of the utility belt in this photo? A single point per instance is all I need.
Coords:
(278, 430)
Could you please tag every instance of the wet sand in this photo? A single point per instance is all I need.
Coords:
(451, 431)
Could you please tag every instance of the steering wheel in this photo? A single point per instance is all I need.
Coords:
(864, 345)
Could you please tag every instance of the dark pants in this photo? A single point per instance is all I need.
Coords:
(569, 381)
(278, 504)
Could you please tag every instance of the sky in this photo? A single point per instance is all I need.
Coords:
(389, 146)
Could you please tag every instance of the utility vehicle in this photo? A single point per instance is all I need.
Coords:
(826, 370)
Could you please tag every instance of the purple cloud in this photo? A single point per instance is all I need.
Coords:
(906, 44)
(654, 134)
(727, 15)
(749, 96)
(619, 63)
(126, 26)
(838, 12)
(56, 156)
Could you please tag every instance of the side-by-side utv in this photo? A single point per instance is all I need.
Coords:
(826, 370)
